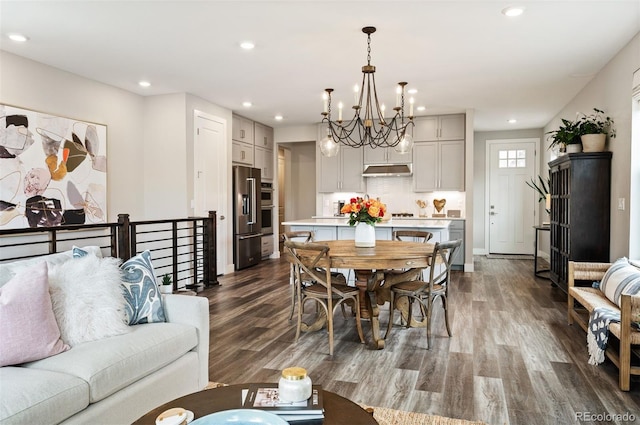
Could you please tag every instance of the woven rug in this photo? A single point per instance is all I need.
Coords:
(386, 416)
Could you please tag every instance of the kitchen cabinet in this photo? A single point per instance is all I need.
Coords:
(440, 127)
(379, 156)
(456, 231)
(438, 166)
(241, 153)
(264, 161)
(580, 212)
(263, 136)
(242, 129)
(267, 246)
(340, 173)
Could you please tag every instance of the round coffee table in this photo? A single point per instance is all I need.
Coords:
(337, 409)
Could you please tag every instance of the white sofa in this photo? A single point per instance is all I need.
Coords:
(114, 380)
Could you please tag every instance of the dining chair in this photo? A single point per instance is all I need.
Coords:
(426, 291)
(304, 236)
(312, 259)
(410, 236)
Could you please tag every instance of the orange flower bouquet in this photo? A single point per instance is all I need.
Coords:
(362, 210)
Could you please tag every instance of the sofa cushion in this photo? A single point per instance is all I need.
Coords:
(87, 298)
(621, 278)
(31, 396)
(28, 327)
(111, 364)
(143, 299)
(9, 269)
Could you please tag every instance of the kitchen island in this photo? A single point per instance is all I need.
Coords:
(328, 229)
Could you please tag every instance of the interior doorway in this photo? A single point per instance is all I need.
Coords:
(210, 177)
(282, 190)
(511, 203)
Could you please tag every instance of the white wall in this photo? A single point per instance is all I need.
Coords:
(610, 91)
(32, 85)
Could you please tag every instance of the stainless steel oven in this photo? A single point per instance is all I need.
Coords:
(266, 194)
(267, 219)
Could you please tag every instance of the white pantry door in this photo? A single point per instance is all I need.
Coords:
(511, 203)
(210, 177)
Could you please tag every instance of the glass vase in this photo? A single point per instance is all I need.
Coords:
(365, 235)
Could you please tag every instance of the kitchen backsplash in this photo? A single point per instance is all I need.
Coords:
(398, 194)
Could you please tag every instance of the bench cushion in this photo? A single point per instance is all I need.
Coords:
(31, 396)
(110, 364)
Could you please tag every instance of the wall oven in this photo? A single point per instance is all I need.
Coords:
(267, 220)
(266, 208)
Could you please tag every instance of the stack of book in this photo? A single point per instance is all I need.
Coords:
(307, 412)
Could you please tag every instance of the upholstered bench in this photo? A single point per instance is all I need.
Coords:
(583, 300)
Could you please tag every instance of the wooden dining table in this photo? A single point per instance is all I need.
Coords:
(373, 277)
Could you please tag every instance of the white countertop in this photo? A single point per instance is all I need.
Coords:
(394, 222)
(331, 217)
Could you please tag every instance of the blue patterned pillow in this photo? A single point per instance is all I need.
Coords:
(143, 300)
(78, 252)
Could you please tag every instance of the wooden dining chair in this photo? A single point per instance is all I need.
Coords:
(303, 236)
(426, 291)
(312, 259)
(411, 236)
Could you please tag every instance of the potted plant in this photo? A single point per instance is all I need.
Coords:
(166, 287)
(566, 135)
(594, 129)
(542, 188)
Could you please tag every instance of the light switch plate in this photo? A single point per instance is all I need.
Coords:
(621, 204)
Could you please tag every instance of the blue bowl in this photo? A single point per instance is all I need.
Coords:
(241, 417)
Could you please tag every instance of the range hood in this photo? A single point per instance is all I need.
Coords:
(388, 170)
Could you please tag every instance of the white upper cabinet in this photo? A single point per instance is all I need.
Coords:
(242, 129)
(385, 156)
(263, 136)
(438, 166)
(442, 127)
(340, 173)
(264, 161)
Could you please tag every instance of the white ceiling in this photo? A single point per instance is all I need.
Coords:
(458, 54)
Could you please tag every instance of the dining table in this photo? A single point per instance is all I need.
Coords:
(377, 269)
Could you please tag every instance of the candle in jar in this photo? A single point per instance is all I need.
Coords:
(294, 385)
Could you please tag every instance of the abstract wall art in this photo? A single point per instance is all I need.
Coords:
(53, 170)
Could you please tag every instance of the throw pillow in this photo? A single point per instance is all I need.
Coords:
(143, 299)
(28, 328)
(87, 299)
(621, 278)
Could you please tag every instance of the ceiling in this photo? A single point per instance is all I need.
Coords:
(458, 54)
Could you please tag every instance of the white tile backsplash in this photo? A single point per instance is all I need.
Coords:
(397, 193)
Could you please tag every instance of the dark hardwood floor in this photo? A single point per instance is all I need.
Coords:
(512, 358)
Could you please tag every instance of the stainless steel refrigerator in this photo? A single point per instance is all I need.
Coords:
(246, 210)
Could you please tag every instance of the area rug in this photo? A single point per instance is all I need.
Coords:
(386, 416)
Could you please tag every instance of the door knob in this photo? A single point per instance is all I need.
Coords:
(222, 217)
(493, 213)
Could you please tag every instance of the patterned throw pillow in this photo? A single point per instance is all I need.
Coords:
(621, 278)
(143, 300)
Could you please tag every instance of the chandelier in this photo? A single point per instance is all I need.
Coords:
(368, 127)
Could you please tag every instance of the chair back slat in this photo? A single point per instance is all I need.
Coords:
(412, 235)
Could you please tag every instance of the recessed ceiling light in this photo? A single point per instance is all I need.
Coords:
(278, 117)
(421, 108)
(18, 38)
(512, 11)
(246, 104)
(512, 121)
(412, 91)
(247, 45)
(144, 84)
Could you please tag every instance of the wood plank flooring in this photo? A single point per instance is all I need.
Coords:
(512, 358)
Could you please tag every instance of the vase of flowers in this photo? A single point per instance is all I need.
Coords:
(364, 213)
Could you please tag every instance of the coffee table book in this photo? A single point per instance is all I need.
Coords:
(265, 397)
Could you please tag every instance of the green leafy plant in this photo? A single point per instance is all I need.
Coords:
(567, 134)
(542, 187)
(166, 279)
(596, 124)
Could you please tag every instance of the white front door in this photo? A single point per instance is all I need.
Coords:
(210, 177)
(511, 203)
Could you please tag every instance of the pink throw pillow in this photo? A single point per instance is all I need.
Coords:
(28, 327)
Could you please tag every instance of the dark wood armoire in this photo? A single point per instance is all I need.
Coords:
(580, 211)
